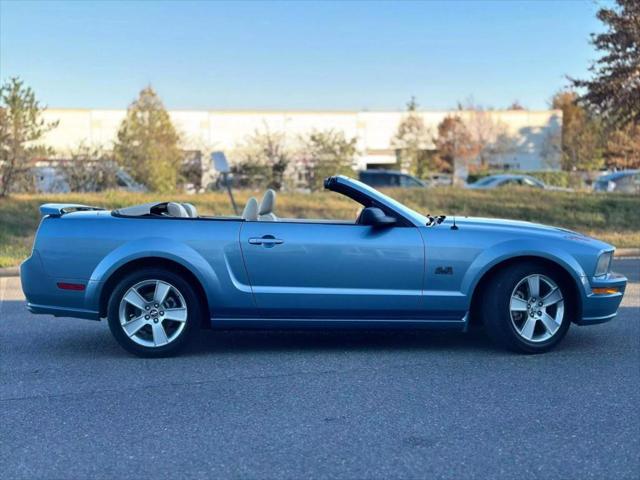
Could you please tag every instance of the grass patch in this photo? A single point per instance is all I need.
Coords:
(613, 218)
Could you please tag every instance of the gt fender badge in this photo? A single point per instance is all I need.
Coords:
(444, 270)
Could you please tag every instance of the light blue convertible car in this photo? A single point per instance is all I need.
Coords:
(159, 272)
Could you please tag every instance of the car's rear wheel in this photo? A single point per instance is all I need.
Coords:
(153, 312)
(527, 308)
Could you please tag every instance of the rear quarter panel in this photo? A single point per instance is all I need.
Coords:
(88, 247)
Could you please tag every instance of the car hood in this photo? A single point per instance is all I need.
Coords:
(518, 225)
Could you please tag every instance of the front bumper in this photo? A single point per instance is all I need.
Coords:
(598, 308)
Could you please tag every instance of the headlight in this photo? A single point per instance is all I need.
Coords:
(604, 262)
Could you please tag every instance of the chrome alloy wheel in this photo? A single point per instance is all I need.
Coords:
(153, 313)
(537, 308)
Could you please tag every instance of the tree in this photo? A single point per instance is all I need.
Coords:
(490, 138)
(147, 143)
(581, 134)
(262, 160)
(516, 105)
(411, 142)
(21, 126)
(623, 148)
(90, 169)
(614, 89)
(453, 142)
(326, 153)
(551, 149)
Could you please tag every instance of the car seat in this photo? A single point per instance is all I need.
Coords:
(267, 205)
(250, 212)
(176, 210)
(191, 210)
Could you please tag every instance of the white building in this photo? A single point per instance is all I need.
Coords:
(533, 134)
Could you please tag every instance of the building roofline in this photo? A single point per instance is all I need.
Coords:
(303, 112)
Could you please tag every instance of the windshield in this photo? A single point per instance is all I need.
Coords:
(377, 195)
(486, 181)
(532, 182)
(409, 181)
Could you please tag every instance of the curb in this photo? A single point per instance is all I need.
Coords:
(10, 272)
(627, 252)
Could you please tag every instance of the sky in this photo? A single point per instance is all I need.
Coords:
(297, 55)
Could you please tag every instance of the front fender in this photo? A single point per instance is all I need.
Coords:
(152, 247)
(507, 250)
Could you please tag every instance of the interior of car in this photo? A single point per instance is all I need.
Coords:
(264, 211)
(256, 211)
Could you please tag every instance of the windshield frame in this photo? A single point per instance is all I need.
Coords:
(402, 210)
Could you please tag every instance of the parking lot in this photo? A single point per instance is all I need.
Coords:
(318, 404)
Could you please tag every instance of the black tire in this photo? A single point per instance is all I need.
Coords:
(497, 315)
(182, 334)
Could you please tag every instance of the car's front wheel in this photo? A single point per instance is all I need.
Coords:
(153, 312)
(527, 308)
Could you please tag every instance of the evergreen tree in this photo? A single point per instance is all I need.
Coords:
(147, 144)
(21, 126)
(614, 89)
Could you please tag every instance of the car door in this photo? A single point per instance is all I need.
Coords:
(334, 270)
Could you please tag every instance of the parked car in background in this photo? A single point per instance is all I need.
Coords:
(390, 179)
(626, 181)
(513, 180)
(49, 179)
(126, 182)
(440, 179)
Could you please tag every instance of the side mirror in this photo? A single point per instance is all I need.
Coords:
(374, 217)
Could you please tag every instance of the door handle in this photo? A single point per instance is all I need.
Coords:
(266, 240)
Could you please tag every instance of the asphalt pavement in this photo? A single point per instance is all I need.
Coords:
(296, 405)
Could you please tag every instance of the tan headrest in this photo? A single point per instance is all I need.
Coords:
(268, 203)
(176, 210)
(191, 210)
(250, 212)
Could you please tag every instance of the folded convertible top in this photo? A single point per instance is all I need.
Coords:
(140, 210)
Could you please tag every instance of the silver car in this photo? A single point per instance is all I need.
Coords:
(626, 181)
(513, 180)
